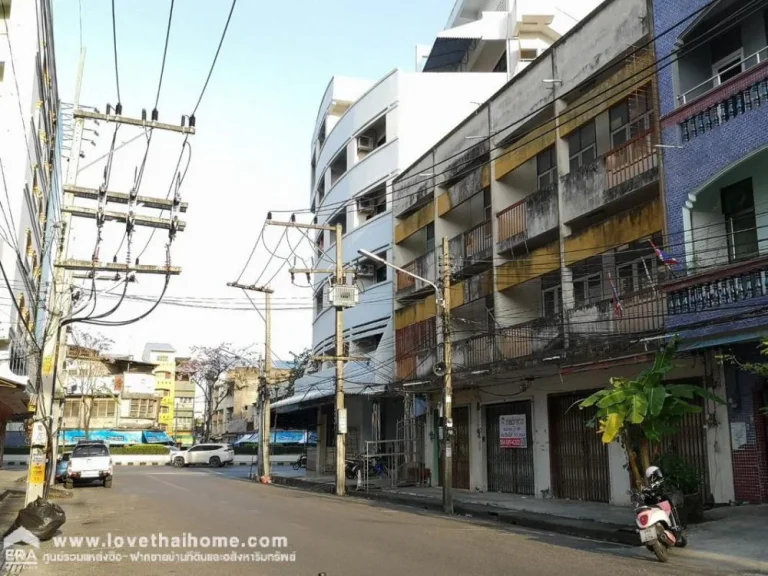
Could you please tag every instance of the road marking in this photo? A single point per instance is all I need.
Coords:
(171, 484)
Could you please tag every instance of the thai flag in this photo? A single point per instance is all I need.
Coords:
(663, 257)
(618, 309)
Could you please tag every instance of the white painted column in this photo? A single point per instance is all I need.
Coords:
(476, 448)
(619, 475)
(719, 441)
(541, 465)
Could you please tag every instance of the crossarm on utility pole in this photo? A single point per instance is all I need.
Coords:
(123, 198)
(87, 114)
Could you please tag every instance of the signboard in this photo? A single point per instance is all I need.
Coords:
(139, 383)
(37, 470)
(282, 437)
(342, 422)
(157, 438)
(39, 435)
(48, 366)
(513, 432)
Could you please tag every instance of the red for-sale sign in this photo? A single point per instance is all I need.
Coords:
(513, 432)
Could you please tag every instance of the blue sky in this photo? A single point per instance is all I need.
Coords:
(251, 150)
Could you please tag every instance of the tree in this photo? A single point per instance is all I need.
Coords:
(756, 368)
(208, 367)
(90, 370)
(640, 412)
(301, 362)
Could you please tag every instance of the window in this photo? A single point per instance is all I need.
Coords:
(319, 301)
(430, 237)
(741, 227)
(487, 209)
(501, 65)
(162, 358)
(103, 408)
(727, 55)
(373, 203)
(90, 450)
(550, 301)
(72, 408)
(581, 146)
(528, 54)
(381, 273)
(164, 410)
(372, 138)
(546, 168)
(631, 117)
(637, 266)
(588, 290)
(142, 408)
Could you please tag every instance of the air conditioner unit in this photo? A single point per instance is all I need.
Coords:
(366, 270)
(365, 143)
(366, 205)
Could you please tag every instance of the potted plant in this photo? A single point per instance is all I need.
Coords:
(681, 477)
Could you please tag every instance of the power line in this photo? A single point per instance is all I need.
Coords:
(215, 57)
(114, 44)
(165, 52)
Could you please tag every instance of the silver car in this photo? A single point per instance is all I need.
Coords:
(212, 454)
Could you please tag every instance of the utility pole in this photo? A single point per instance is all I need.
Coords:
(265, 381)
(447, 384)
(41, 472)
(341, 296)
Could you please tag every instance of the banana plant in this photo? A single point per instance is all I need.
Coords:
(639, 412)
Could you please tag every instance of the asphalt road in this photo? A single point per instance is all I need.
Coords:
(327, 534)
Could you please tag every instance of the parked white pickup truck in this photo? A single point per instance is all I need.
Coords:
(90, 461)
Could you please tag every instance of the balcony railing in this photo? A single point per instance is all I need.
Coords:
(716, 80)
(718, 288)
(532, 217)
(640, 312)
(474, 245)
(631, 159)
(512, 221)
(423, 266)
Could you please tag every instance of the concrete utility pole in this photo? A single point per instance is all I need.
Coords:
(447, 384)
(37, 478)
(341, 296)
(41, 472)
(265, 401)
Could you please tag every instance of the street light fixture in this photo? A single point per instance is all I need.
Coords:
(447, 374)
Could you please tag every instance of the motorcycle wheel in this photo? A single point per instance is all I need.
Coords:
(682, 540)
(661, 551)
(296, 466)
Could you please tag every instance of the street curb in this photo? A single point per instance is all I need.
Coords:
(590, 529)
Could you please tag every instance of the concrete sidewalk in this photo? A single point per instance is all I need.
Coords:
(729, 535)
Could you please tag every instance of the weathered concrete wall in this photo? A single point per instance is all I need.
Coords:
(541, 211)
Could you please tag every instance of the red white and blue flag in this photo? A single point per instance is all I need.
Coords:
(618, 309)
(663, 257)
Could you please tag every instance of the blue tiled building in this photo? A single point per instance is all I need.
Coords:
(712, 62)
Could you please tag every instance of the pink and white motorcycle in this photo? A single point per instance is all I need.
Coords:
(657, 520)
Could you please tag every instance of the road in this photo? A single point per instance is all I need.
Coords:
(327, 534)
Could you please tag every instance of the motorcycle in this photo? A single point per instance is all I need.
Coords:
(301, 462)
(351, 466)
(657, 519)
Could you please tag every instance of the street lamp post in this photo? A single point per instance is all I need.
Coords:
(443, 302)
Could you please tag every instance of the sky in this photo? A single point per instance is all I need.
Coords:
(251, 152)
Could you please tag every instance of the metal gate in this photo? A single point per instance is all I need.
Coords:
(509, 469)
(459, 449)
(578, 457)
(690, 443)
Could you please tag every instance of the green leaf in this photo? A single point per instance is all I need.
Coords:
(638, 409)
(593, 399)
(656, 397)
(613, 397)
(683, 390)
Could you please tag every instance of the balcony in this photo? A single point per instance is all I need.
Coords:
(423, 266)
(532, 220)
(416, 350)
(736, 90)
(613, 179)
(717, 289)
(512, 343)
(411, 194)
(472, 251)
(640, 313)
(473, 183)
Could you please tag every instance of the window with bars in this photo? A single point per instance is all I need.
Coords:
(71, 408)
(550, 301)
(582, 147)
(142, 408)
(102, 408)
(588, 290)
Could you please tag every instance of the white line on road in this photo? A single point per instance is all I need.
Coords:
(171, 484)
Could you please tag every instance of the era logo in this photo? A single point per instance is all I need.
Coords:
(20, 556)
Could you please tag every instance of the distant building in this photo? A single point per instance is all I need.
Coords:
(184, 405)
(164, 357)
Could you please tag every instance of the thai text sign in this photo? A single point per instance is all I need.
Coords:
(513, 431)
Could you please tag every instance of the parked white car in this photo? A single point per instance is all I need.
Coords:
(210, 454)
(90, 461)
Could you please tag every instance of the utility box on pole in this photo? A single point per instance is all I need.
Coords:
(343, 296)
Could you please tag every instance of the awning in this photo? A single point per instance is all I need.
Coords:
(14, 391)
(452, 45)
(157, 438)
(283, 437)
(322, 386)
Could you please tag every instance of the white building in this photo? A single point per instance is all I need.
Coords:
(30, 141)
